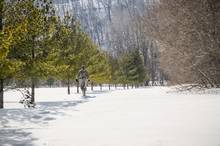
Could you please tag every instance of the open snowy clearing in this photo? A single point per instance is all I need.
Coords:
(136, 117)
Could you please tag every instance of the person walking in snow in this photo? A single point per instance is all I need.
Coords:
(82, 78)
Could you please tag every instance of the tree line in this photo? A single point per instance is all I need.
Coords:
(178, 40)
(118, 27)
(36, 45)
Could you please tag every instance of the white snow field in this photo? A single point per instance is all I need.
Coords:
(152, 116)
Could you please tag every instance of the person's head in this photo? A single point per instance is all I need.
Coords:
(83, 67)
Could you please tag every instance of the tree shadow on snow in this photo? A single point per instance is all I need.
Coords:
(14, 122)
(15, 137)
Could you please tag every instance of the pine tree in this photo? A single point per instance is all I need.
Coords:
(8, 66)
(132, 69)
(136, 71)
(70, 45)
(113, 67)
(32, 46)
(99, 68)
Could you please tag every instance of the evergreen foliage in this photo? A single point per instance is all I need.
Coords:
(132, 69)
(36, 45)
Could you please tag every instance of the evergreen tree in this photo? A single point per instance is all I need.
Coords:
(136, 73)
(99, 68)
(132, 68)
(8, 66)
(71, 48)
(113, 68)
(32, 46)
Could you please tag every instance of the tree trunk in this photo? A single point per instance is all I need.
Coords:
(92, 86)
(32, 79)
(127, 86)
(1, 93)
(115, 86)
(109, 86)
(100, 87)
(68, 87)
(162, 82)
(32, 91)
(77, 87)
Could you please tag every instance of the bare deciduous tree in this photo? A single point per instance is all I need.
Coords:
(188, 35)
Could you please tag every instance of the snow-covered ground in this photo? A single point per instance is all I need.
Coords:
(152, 116)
